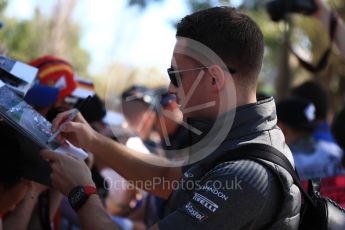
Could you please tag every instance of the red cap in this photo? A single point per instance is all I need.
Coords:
(57, 73)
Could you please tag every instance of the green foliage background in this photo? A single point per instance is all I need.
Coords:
(26, 40)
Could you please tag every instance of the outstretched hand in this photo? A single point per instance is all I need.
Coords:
(67, 171)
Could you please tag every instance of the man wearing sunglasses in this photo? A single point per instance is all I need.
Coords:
(214, 71)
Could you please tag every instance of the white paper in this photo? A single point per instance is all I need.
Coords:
(82, 93)
(75, 151)
(25, 72)
(113, 118)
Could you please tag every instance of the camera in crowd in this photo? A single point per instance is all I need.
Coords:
(278, 9)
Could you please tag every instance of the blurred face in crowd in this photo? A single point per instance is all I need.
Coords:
(10, 197)
(139, 116)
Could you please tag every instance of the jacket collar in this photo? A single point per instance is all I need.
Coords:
(242, 123)
(247, 119)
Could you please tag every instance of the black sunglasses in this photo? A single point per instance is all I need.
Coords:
(175, 74)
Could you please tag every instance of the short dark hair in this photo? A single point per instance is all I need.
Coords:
(232, 35)
(94, 111)
(313, 92)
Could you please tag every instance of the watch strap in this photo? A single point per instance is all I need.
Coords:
(89, 190)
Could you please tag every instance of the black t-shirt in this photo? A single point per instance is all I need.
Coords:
(239, 194)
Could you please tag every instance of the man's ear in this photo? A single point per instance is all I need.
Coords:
(217, 77)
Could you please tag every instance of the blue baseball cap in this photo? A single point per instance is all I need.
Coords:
(42, 95)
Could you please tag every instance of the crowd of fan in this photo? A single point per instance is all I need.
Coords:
(140, 126)
(316, 142)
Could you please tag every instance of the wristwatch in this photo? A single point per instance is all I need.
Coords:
(79, 195)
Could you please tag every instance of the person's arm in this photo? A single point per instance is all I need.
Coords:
(324, 15)
(93, 216)
(142, 169)
(69, 172)
(55, 199)
(138, 168)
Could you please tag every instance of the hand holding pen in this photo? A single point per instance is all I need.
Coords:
(61, 122)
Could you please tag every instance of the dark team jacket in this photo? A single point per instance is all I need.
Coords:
(240, 194)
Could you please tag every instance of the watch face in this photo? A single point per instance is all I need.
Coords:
(77, 196)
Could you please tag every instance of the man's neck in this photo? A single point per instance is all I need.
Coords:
(240, 101)
(246, 100)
